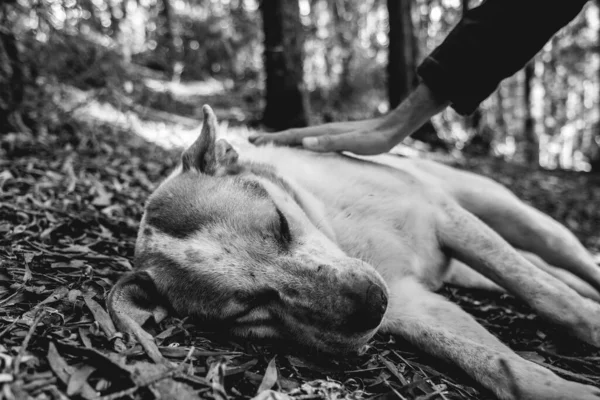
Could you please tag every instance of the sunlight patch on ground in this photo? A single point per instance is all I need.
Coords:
(175, 131)
(158, 127)
(188, 89)
(165, 134)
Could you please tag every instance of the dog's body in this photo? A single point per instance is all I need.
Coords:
(314, 248)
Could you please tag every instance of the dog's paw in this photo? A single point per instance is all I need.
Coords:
(560, 390)
(588, 329)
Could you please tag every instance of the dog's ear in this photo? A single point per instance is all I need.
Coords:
(131, 303)
(201, 154)
(206, 154)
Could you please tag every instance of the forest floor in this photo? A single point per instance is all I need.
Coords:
(70, 203)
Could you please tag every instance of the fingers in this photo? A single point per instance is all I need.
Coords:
(359, 137)
(292, 137)
(355, 142)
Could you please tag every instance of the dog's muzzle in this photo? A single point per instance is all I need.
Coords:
(368, 302)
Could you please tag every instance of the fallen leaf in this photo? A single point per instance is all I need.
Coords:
(78, 379)
(532, 356)
(270, 377)
(63, 371)
(102, 317)
(58, 294)
(102, 198)
(272, 395)
(216, 377)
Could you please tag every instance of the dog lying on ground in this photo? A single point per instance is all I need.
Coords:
(323, 250)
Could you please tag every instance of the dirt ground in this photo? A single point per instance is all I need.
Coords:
(70, 203)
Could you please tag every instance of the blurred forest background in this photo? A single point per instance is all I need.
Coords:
(277, 64)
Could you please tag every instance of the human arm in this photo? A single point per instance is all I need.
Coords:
(490, 43)
(367, 137)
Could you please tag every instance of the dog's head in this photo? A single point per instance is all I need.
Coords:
(236, 245)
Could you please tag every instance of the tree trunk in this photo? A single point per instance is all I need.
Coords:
(173, 55)
(12, 82)
(532, 151)
(594, 152)
(286, 100)
(346, 33)
(500, 120)
(401, 51)
(401, 68)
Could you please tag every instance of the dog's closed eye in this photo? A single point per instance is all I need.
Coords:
(284, 237)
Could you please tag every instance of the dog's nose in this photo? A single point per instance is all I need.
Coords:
(369, 304)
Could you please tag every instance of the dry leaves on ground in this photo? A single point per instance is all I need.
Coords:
(69, 208)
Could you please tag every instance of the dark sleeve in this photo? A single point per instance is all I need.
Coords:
(492, 42)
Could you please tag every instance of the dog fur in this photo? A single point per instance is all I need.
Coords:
(323, 250)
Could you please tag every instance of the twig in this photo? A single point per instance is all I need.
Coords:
(392, 368)
(414, 365)
(39, 204)
(431, 395)
(5, 300)
(97, 359)
(356, 371)
(178, 352)
(585, 378)
(39, 384)
(17, 209)
(69, 255)
(8, 328)
(578, 360)
(393, 389)
(188, 356)
(148, 382)
(167, 374)
(36, 321)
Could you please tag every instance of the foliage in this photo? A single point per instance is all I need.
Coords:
(91, 44)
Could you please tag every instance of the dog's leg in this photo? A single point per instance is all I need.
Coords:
(441, 328)
(574, 282)
(473, 242)
(460, 274)
(527, 228)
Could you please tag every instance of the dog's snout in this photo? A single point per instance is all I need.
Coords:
(377, 299)
(369, 304)
(374, 306)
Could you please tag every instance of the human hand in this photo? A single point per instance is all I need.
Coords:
(367, 137)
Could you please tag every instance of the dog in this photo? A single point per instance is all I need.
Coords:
(324, 250)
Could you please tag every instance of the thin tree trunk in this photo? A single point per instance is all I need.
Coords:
(500, 120)
(345, 42)
(595, 145)
(532, 151)
(12, 82)
(401, 60)
(172, 52)
(401, 68)
(286, 99)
